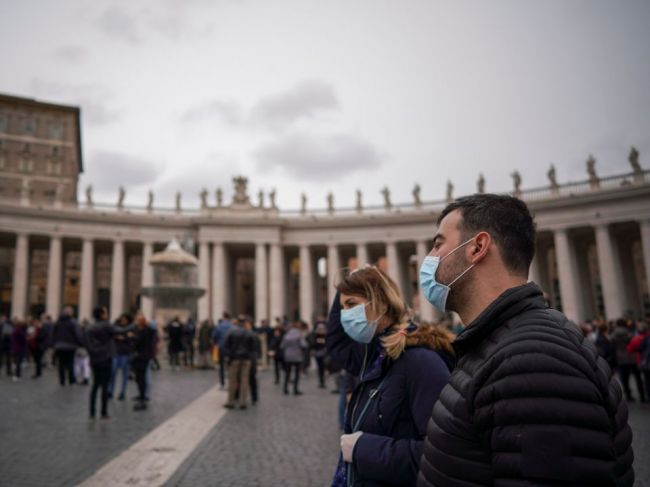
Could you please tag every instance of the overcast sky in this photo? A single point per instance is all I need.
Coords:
(336, 95)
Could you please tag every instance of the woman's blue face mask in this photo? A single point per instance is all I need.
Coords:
(355, 323)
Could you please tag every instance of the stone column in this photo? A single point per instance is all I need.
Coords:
(117, 280)
(645, 245)
(146, 304)
(362, 254)
(333, 267)
(567, 272)
(533, 272)
(54, 277)
(610, 276)
(394, 268)
(427, 311)
(261, 283)
(219, 280)
(21, 276)
(87, 281)
(203, 307)
(306, 285)
(276, 282)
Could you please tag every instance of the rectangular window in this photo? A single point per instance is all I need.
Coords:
(30, 126)
(4, 123)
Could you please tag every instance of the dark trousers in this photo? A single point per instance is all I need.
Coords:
(5, 355)
(625, 371)
(37, 355)
(101, 379)
(174, 359)
(222, 368)
(288, 366)
(18, 360)
(320, 362)
(252, 381)
(188, 355)
(140, 368)
(278, 365)
(65, 359)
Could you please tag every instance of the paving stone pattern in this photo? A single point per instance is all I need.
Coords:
(290, 441)
(46, 438)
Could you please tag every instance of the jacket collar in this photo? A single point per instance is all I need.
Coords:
(510, 303)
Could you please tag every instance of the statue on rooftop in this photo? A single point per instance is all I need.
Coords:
(204, 198)
(178, 202)
(272, 199)
(150, 201)
(303, 203)
(386, 194)
(594, 181)
(359, 204)
(636, 166)
(516, 181)
(260, 198)
(450, 191)
(552, 179)
(241, 190)
(480, 184)
(219, 195)
(120, 198)
(416, 196)
(89, 195)
(330, 203)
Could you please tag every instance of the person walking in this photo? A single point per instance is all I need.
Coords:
(626, 361)
(639, 346)
(219, 338)
(123, 338)
(174, 330)
(239, 349)
(530, 401)
(293, 346)
(18, 347)
(143, 347)
(36, 342)
(252, 373)
(319, 350)
(402, 368)
(205, 344)
(6, 331)
(275, 352)
(189, 334)
(66, 338)
(100, 345)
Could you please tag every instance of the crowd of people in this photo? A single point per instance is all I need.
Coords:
(518, 396)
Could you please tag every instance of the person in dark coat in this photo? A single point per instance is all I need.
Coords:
(275, 352)
(101, 349)
(37, 343)
(205, 344)
(174, 330)
(530, 401)
(189, 333)
(294, 346)
(6, 330)
(143, 349)
(123, 338)
(319, 350)
(625, 361)
(239, 348)
(19, 347)
(402, 368)
(67, 338)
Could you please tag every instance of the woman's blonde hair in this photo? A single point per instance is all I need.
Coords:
(374, 285)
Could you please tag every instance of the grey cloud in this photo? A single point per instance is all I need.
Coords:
(304, 100)
(93, 99)
(318, 157)
(107, 170)
(71, 54)
(225, 111)
(117, 24)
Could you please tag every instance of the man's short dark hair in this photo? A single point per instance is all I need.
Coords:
(98, 312)
(506, 219)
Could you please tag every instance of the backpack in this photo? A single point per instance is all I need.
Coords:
(644, 364)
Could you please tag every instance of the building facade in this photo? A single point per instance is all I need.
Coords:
(593, 252)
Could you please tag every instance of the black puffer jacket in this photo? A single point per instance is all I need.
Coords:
(529, 403)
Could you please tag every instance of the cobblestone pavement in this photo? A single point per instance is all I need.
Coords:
(289, 440)
(46, 438)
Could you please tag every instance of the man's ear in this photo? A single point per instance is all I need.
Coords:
(482, 243)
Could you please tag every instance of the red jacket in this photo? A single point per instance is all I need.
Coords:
(635, 345)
